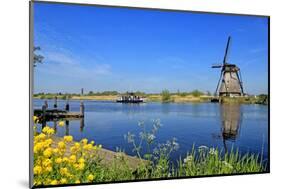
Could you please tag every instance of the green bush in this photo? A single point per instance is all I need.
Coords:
(196, 93)
(183, 94)
(166, 96)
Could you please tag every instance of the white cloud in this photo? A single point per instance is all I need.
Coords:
(59, 58)
(59, 63)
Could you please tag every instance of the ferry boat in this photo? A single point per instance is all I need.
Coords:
(130, 98)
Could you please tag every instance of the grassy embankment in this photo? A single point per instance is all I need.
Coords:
(165, 96)
(63, 161)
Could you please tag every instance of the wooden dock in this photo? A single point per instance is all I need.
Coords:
(46, 114)
(57, 114)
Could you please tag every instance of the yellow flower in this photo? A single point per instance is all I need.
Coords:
(37, 147)
(51, 131)
(48, 152)
(45, 129)
(63, 181)
(47, 163)
(77, 182)
(100, 146)
(81, 160)
(61, 123)
(63, 171)
(73, 150)
(37, 182)
(35, 119)
(77, 144)
(88, 147)
(92, 142)
(54, 182)
(48, 142)
(81, 166)
(41, 136)
(61, 145)
(84, 141)
(58, 160)
(55, 150)
(48, 130)
(37, 170)
(65, 159)
(68, 138)
(90, 177)
(49, 169)
(72, 159)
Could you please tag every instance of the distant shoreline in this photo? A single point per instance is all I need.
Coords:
(158, 98)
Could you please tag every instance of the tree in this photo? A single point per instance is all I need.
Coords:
(37, 57)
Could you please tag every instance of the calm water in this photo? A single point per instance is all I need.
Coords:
(209, 124)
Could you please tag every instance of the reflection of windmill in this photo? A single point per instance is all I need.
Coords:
(230, 82)
(231, 118)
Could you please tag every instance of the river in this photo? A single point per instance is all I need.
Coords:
(209, 124)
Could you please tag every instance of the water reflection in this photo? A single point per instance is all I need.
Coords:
(66, 127)
(82, 125)
(231, 121)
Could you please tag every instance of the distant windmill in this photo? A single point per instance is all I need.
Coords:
(230, 82)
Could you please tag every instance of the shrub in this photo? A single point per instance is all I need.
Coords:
(166, 96)
(183, 94)
(196, 93)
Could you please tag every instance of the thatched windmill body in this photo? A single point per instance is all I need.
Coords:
(230, 81)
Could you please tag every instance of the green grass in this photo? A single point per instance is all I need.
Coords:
(200, 162)
(209, 161)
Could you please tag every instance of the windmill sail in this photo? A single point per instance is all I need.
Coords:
(226, 50)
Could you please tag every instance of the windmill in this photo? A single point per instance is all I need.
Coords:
(230, 81)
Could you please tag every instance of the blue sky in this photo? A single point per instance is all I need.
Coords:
(102, 48)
